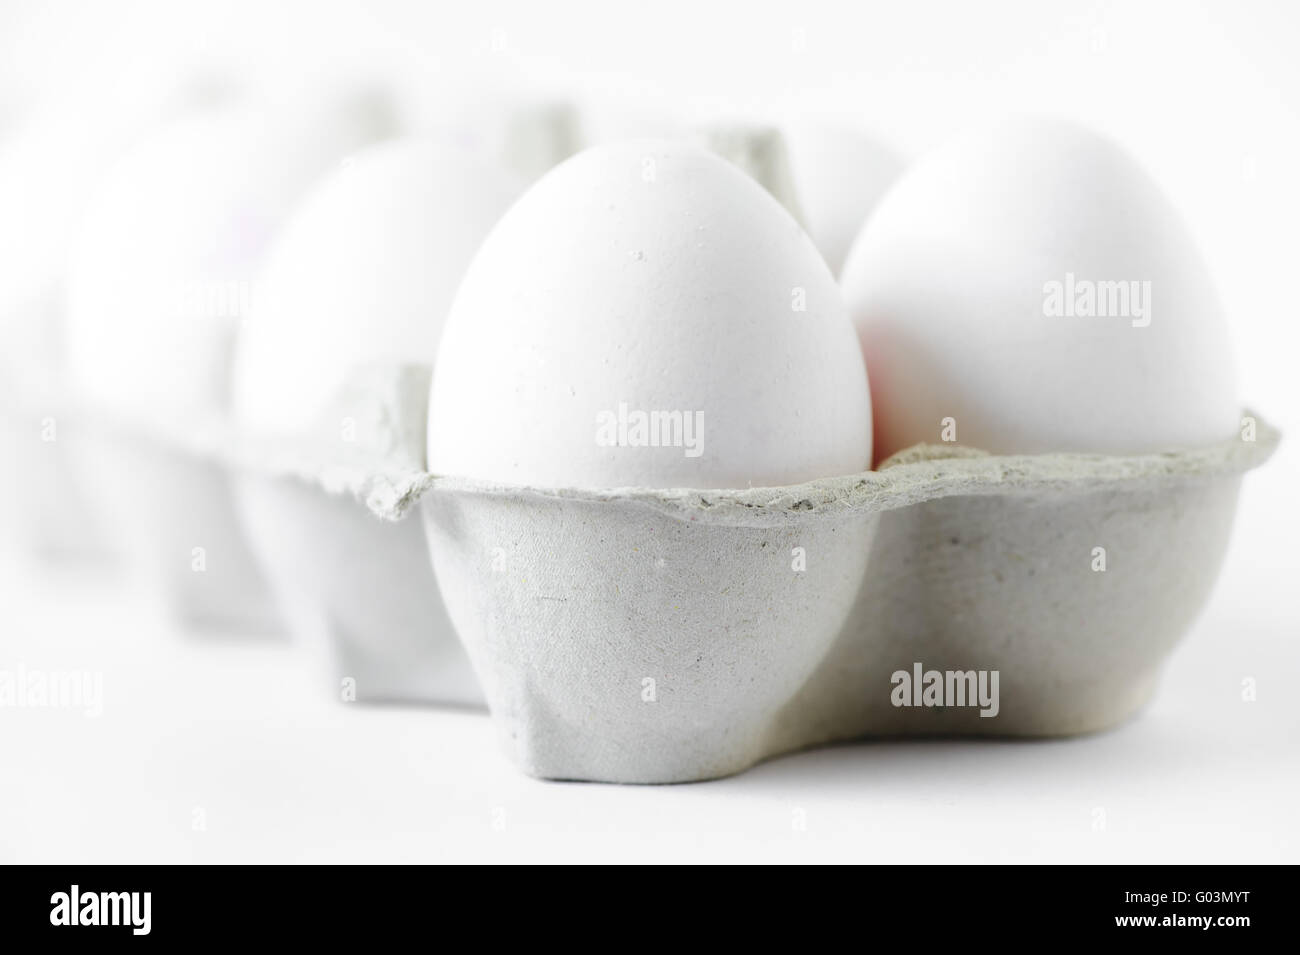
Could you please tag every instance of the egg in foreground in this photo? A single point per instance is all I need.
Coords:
(648, 316)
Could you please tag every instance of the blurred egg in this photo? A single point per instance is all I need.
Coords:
(647, 315)
(365, 271)
(163, 273)
(51, 165)
(49, 170)
(838, 174)
(350, 308)
(1030, 289)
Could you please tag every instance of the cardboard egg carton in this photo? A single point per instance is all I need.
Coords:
(368, 611)
(666, 636)
(45, 507)
(229, 532)
(655, 636)
(633, 635)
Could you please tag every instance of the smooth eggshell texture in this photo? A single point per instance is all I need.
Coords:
(165, 268)
(648, 277)
(949, 288)
(364, 272)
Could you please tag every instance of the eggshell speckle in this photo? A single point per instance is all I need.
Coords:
(648, 279)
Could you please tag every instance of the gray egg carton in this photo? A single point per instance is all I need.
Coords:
(642, 636)
(655, 636)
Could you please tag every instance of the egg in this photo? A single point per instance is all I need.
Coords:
(1029, 289)
(350, 308)
(364, 273)
(646, 315)
(163, 273)
(49, 171)
(839, 174)
(162, 279)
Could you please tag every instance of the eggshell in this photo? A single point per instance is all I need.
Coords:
(839, 174)
(161, 280)
(639, 278)
(364, 273)
(950, 286)
(164, 269)
(355, 291)
(644, 276)
(49, 170)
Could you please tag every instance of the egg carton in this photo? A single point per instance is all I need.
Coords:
(241, 536)
(44, 504)
(641, 636)
(359, 593)
(366, 606)
(656, 636)
(171, 515)
(90, 487)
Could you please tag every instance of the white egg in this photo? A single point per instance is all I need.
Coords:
(359, 283)
(647, 315)
(164, 269)
(364, 272)
(839, 174)
(50, 169)
(1030, 289)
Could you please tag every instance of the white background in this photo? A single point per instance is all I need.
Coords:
(1207, 95)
